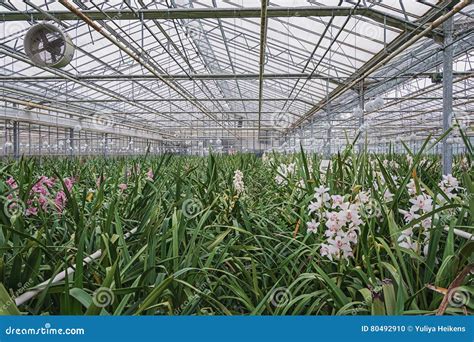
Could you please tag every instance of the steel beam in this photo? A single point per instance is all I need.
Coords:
(190, 77)
(178, 77)
(222, 13)
(176, 100)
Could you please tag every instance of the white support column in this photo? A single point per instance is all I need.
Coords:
(106, 144)
(328, 151)
(361, 116)
(71, 142)
(447, 149)
(16, 139)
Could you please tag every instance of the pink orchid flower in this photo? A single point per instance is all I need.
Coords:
(149, 174)
(60, 200)
(11, 183)
(31, 211)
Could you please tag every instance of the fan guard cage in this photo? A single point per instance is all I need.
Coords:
(47, 45)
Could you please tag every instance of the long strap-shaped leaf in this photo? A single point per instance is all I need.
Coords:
(60, 276)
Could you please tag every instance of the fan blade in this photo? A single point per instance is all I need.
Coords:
(57, 42)
(38, 51)
(43, 38)
(53, 47)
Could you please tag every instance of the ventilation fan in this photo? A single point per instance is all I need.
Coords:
(47, 45)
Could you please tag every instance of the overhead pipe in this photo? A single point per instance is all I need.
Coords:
(221, 76)
(24, 297)
(227, 13)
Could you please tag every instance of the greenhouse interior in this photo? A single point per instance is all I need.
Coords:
(237, 157)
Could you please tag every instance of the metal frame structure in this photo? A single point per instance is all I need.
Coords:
(249, 74)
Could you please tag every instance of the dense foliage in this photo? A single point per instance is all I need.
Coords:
(230, 235)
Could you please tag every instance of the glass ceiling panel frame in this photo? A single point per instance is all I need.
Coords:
(342, 63)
